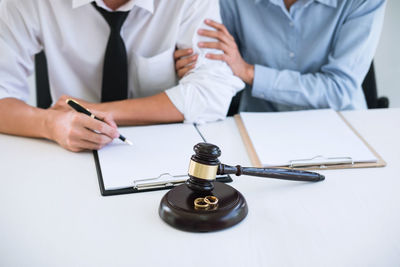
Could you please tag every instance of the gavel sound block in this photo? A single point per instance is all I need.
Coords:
(177, 207)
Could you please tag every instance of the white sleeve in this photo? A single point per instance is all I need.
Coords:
(205, 93)
(18, 44)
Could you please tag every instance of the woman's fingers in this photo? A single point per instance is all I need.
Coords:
(182, 72)
(182, 53)
(219, 27)
(184, 62)
(215, 45)
(220, 36)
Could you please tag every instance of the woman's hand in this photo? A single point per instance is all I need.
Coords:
(185, 61)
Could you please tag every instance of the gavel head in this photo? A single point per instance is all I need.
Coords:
(203, 167)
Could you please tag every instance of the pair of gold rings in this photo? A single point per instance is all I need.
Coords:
(206, 203)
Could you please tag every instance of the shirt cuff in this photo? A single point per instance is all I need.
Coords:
(7, 94)
(264, 80)
(176, 98)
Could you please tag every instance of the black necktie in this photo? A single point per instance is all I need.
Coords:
(115, 69)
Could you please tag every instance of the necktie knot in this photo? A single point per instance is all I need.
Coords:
(114, 19)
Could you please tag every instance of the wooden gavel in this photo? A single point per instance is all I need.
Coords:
(205, 166)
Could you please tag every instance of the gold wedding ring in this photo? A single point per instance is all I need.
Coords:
(211, 201)
(200, 204)
(206, 203)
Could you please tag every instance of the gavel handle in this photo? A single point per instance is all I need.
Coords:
(284, 174)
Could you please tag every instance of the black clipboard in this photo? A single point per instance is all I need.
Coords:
(129, 190)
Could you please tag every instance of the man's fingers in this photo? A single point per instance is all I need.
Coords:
(98, 140)
(182, 72)
(61, 103)
(110, 121)
(83, 139)
(96, 125)
(76, 131)
(182, 53)
(82, 145)
(186, 61)
(107, 118)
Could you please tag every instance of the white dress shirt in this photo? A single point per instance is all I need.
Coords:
(74, 36)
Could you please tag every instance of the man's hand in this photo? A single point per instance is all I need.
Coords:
(185, 61)
(76, 131)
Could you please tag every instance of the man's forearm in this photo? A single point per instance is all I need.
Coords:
(18, 118)
(148, 110)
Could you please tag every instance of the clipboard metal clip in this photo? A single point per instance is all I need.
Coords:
(165, 180)
(320, 161)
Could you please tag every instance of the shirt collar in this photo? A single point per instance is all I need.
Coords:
(145, 4)
(331, 3)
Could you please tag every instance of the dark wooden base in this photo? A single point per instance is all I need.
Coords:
(177, 209)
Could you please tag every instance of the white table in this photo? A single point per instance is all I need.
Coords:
(52, 213)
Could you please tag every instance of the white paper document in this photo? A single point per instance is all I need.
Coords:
(156, 150)
(279, 138)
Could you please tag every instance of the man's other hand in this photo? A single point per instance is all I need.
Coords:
(78, 132)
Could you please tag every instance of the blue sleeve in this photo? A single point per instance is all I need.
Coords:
(337, 83)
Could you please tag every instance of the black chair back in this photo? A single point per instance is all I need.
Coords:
(371, 92)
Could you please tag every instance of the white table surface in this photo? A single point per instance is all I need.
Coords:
(52, 213)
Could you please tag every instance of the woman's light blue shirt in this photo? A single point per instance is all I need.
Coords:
(315, 56)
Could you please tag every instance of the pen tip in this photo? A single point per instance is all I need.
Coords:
(128, 142)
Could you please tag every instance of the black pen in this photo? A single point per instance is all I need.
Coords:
(78, 107)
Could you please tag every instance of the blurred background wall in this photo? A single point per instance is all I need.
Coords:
(387, 57)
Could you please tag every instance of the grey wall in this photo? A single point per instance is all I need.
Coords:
(387, 57)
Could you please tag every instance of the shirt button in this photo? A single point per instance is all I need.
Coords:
(291, 24)
(291, 55)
